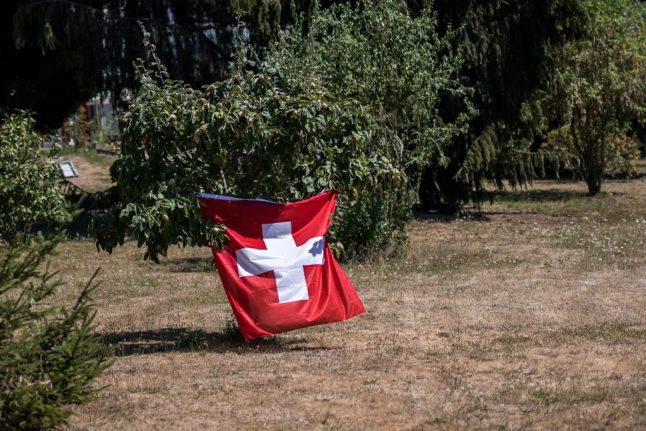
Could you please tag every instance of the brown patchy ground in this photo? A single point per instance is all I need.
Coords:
(531, 316)
(93, 170)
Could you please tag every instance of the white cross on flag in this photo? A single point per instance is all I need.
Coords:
(277, 269)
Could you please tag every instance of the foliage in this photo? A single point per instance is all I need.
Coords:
(378, 53)
(79, 130)
(257, 134)
(508, 49)
(67, 51)
(600, 87)
(454, 80)
(48, 357)
(622, 153)
(28, 182)
(503, 50)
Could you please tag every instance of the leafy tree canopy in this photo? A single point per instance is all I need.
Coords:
(392, 61)
(510, 49)
(599, 88)
(258, 133)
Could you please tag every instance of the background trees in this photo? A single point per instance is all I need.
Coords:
(509, 51)
(259, 133)
(458, 89)
(395, 63)
(59, 53)
(599, 89)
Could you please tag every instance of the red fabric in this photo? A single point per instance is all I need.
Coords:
(254, 299)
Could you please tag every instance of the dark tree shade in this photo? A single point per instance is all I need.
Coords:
(508, 49)
(509, 46)
(60, 52)
(45, 81)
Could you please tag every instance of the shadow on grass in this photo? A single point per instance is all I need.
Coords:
(475, 212)
(439, 217)
(189, 264)
(195, 340)
(555, 195)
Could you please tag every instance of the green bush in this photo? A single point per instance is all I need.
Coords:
(260, 133)
(48, 357)
(619, 159)
(599, 89)
(398, 64)
(28, 182)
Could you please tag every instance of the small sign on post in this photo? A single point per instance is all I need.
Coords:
(67, 169)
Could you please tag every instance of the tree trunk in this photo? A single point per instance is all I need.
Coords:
(594, 163)
(594, 185)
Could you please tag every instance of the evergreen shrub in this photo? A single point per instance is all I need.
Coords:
(48, 355)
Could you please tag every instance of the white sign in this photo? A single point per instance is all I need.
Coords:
(67, 169)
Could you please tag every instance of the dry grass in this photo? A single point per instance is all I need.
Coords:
(93, 169)
(532, 315)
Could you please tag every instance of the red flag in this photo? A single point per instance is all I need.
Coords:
(277, 269)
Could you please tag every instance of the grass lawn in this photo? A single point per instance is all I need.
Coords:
(529, 315)
(93, 169)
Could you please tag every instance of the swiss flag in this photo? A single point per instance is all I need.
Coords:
(277, 269)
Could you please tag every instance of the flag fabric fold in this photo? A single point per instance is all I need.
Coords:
(277, 269)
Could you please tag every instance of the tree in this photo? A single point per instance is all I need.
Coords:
(509, 50)
(48, 356)
(601, 86)
(259, 133)
(59, 53)
(29, 183)
(506, 49)
(430, 69)
(397, 64)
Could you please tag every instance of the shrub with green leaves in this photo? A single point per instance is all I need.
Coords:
(600, 88)
(398, 64)
(48, 356)
(29, 182)
(260, 133)
(621, 154)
